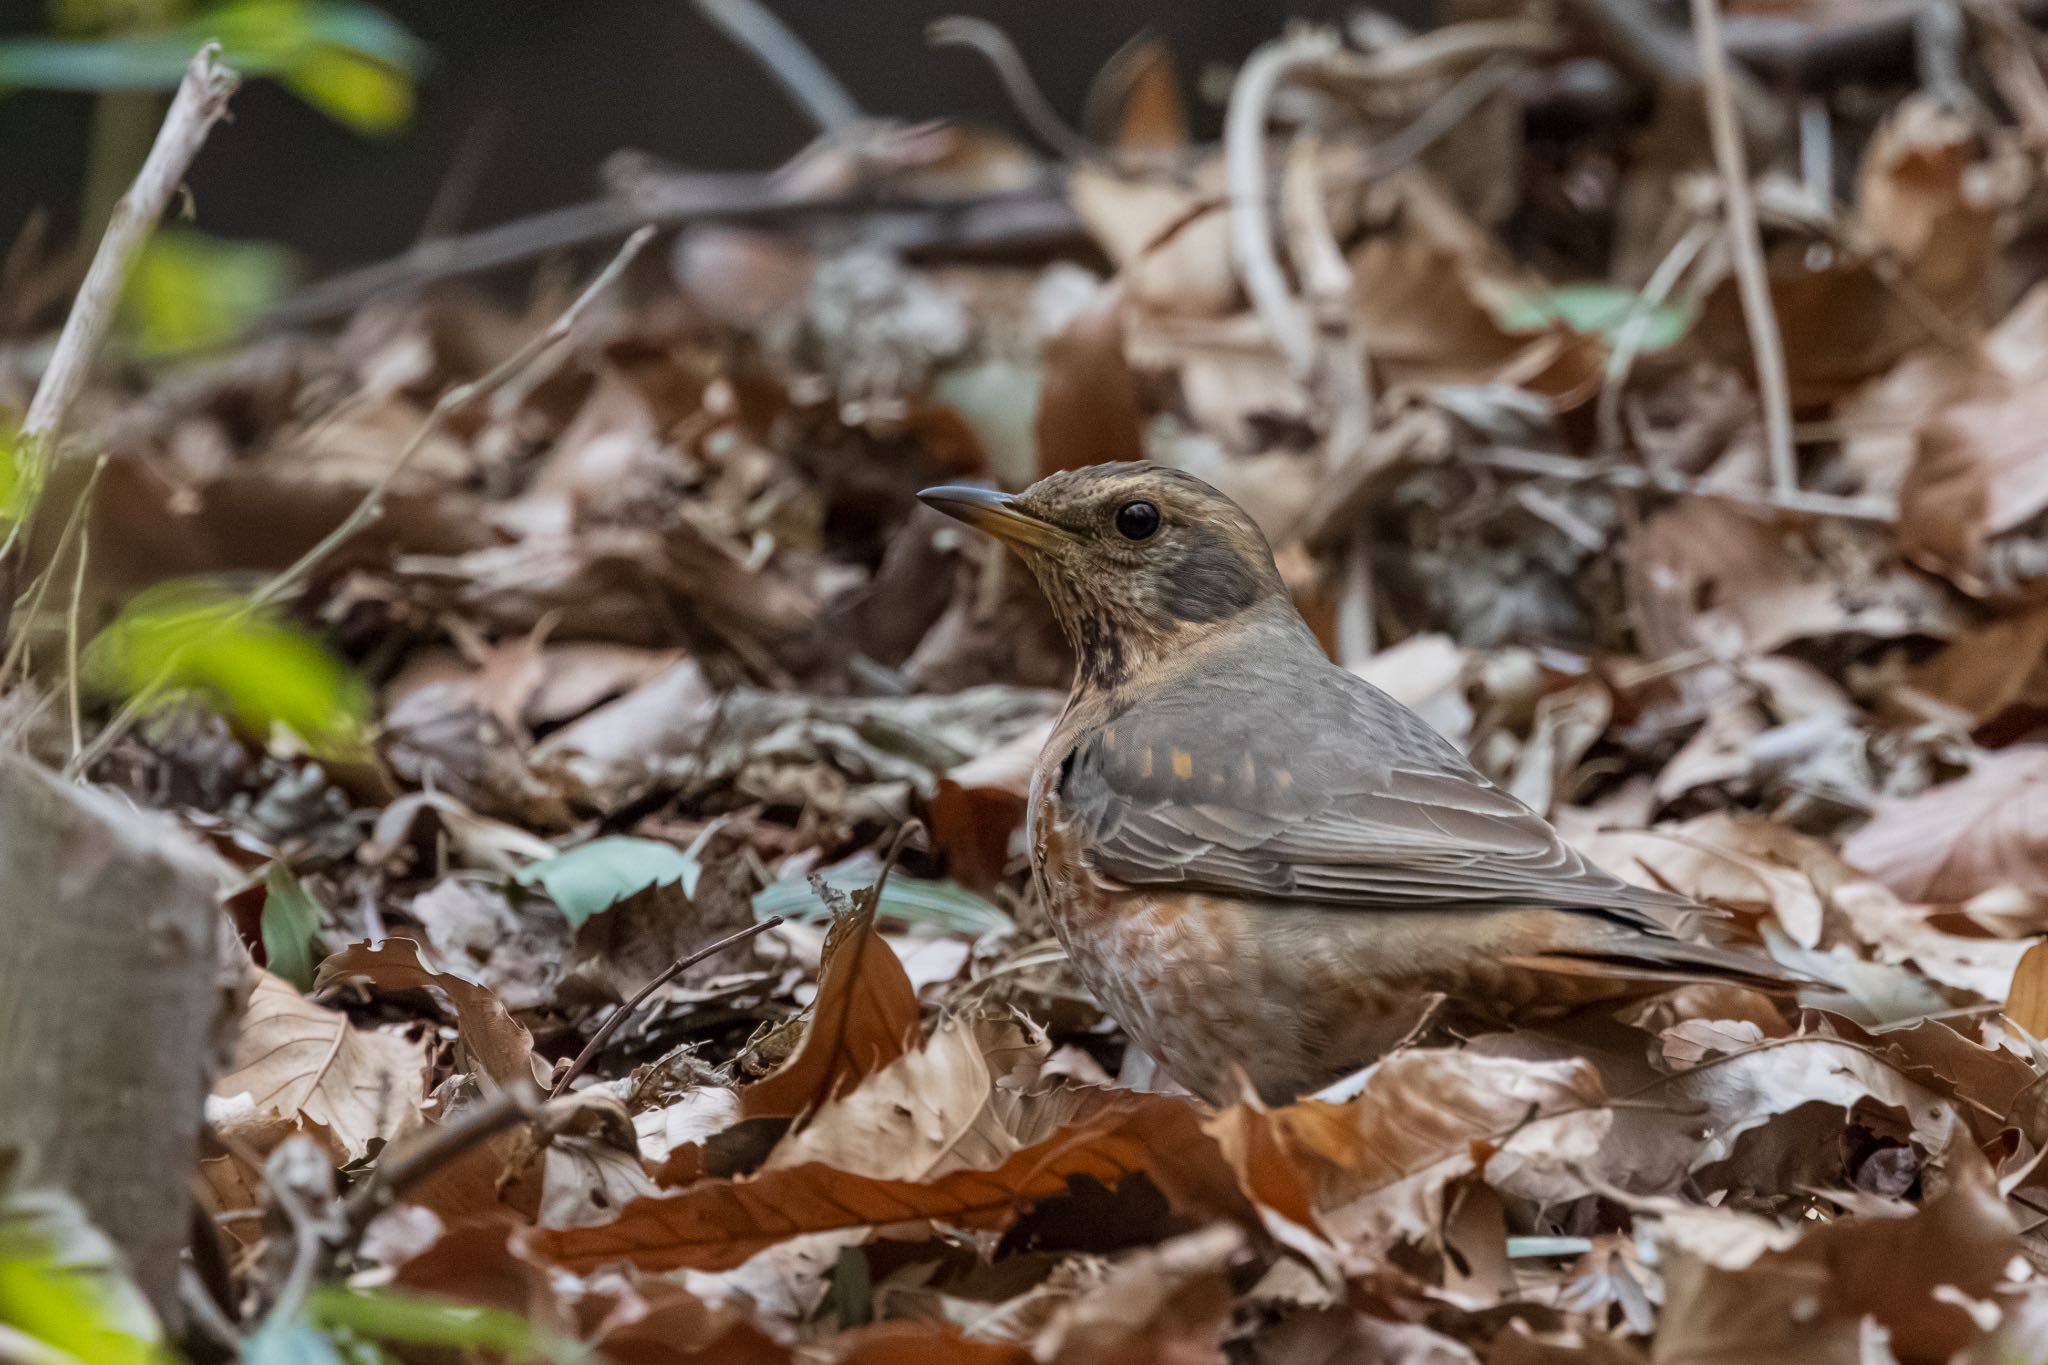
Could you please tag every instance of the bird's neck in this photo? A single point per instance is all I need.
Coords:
(1113, 650)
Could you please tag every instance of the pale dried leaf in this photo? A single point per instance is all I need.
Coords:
(309, 1062)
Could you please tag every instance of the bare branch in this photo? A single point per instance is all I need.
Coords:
(1745, 246)
(626, 1011)
(201, 100)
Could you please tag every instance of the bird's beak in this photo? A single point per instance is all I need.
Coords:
(996, 513)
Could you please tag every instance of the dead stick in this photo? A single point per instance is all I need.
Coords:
(1745, 246)
(624, 1012)
(1251, 234)
(201, 100)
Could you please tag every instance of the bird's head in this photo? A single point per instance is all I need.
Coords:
(1137, 560)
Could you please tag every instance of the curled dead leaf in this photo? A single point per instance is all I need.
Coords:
(498, 1044)
(718, 1224)
(865, 1017)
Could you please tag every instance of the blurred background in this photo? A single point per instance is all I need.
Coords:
(343, 157)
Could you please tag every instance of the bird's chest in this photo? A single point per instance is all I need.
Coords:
(1162, 962)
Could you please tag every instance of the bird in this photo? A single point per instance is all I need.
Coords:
(1260, 864)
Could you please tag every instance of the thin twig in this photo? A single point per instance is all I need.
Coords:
(1251, 233)
(786, 57)
(201, 100)
(371, 506)
(1745, 246)
(624, 1012)
(32, 600)
(461, 396)
(994, 46)
(71, 638)
(1628, 338)
(1343, 372)
(1882, 511)
(1440, 116)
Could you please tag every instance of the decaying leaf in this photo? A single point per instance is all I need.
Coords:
(500, 1046)
(1375, 1166)
(309, 1063)
(865, 1017)
(717, 1224)
(1959, 839)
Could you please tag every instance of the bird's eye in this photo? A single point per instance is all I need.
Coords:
(1137, 520)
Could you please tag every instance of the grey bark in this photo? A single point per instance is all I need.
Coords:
(108, 929)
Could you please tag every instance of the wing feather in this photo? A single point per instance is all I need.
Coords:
(1350, 800)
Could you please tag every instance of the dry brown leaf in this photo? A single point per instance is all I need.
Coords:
(1989, 667)
(1953, 841)
(1169, 238)
(866, 1016)
(921, 1343)
(1088, 410)
(1149, 116)
(1922, 243)
(309, 1062)
(718, 1224)
(1803, 1301)
(496, 1042)
(947, 1105)
(1953, 436)
(2027, 1002)
(1423, 289)
(1375, 1166)
(645, 1321)
(1164, 1305)
(1747, 1089)
(1710, 576)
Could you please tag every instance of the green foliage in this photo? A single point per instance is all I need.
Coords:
(260, 671)
(291, 927)
(413, 1320)
(21, 475)
(61, 1284)
(945, 905)
(349, 60)
(1597, 309)
(190, 290)
(592, 878)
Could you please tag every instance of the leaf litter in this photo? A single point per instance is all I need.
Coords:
(651, 645)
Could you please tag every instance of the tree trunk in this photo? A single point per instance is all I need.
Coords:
(108, 922)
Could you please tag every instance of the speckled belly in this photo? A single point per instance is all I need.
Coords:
(1203, 984)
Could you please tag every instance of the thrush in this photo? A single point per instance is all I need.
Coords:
(1259, 862)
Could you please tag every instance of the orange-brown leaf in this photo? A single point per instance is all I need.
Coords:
(2026, 1004)
(500, 1044)
(717, 1224)
(865, 1018)
(1088, 405)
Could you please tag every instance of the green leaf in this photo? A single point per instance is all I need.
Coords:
(349, 60)
(259, 670)
(590, 879)
(1597, 309)
(419, 1321)
(291, 927)
(909, 900)
(191, 291)
(368, 95)
(62, 1284)
(21, 474)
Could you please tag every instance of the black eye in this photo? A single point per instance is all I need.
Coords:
(1137, 520)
